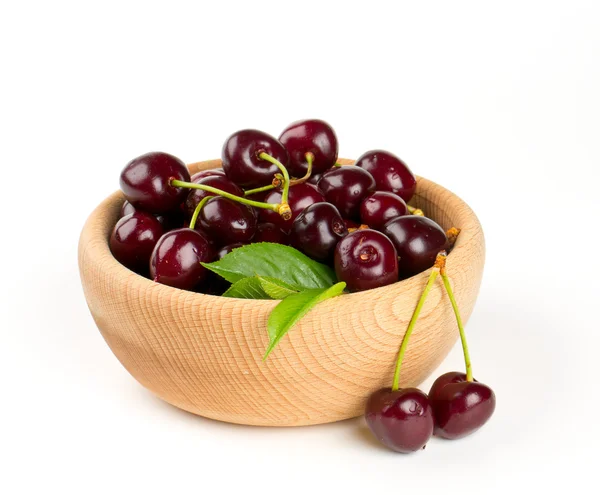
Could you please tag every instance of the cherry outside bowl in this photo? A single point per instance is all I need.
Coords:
(203, 353)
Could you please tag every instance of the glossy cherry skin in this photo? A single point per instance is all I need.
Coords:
(133, 238)
(401, 420)
(269, 232)
(146, 182)
(226, 221)
(310, 136)
(417, 240)
(380, 207)
(300, 197)
(207, 173)
(345, 188)
(390, 173)
(366, 259)
(317, 230)
(219, 181)
(241, 163)
(460, 407)
(176, 259)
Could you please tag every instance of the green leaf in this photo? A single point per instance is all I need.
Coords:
(275, 288)
(247, 288)
(267, 259)
(287, 313)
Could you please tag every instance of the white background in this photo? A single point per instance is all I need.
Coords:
(498, 101)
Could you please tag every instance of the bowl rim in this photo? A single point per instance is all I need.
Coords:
(94, 241)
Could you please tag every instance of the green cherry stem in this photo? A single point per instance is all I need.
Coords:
(190, 185)
(310, 158)
(197, 211)
(286, 177)
(463, 337)
(293, 182)
(250, 192)
(411, 325)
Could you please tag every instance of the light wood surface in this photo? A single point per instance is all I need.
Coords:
(204, 353)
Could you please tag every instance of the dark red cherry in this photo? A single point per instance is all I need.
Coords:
(226, 221)
(345, 188)
(300, 196)
(176, 259)
(310, 136)
(417, 240)
(241, 161)
(317, 230)
(366, 259)
(133, 238)
(219, 181)
(390, 173)
(401, 420)
(145, 181)
(127, 209)
(460, 407)
(380, 207)
(269, 232)
(207, 173)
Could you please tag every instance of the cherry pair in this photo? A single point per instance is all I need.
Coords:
(405, 419)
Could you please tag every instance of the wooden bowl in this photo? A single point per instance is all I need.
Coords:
(204, 353)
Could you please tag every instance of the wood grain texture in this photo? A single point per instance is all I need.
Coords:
(204, 353)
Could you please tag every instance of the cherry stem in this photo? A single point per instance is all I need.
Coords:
(463, 337)
(286, 177)
(415, 211)
(197, 211)
(293, 182)
(310, 158)
(250, 192)
(190, 185)
(338, 165)
(411, 325)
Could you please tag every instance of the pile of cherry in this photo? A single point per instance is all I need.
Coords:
(292, 191)
(159, 235)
